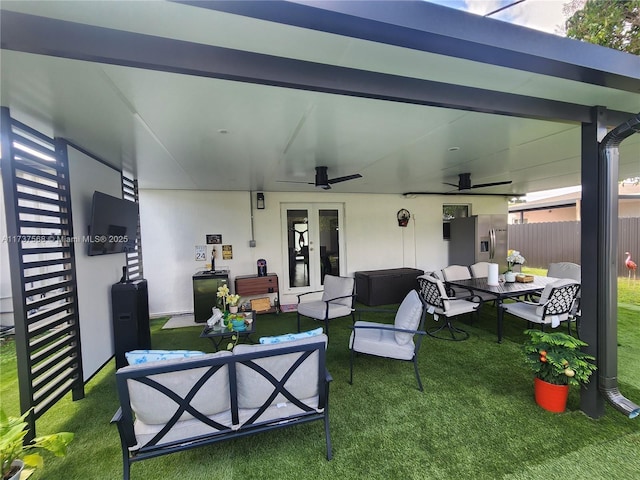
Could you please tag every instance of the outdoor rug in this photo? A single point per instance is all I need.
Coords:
(181, 321)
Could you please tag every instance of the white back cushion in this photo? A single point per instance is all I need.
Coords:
(456, 272)
(338, 287)
(565, 270)
(153, 407)
(254, 388)
(408, 317)
(480, 269)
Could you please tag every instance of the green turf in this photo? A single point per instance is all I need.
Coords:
(476, 418)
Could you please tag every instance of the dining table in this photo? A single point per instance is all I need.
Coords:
(503, 290)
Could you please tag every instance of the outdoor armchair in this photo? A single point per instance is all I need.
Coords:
(438, 303)
(556, 305)
(394, 341)
(337, 301)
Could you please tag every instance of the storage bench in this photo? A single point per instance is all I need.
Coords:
(382, 287)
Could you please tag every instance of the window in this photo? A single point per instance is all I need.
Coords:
(451, 211)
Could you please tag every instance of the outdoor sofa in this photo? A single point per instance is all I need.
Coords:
(173, 405)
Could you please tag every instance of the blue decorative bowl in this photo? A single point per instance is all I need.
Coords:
(238, 325)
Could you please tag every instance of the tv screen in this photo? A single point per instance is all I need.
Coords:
(114, 224)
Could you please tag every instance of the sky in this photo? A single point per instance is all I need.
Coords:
(544, 15)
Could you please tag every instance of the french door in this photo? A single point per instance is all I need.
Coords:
(313, 245)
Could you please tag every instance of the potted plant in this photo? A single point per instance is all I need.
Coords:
(558, 362)
(513, 258)
(232, 301)
(228, 299)
(14, 454)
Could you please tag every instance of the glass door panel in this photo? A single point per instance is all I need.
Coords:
(313, 244)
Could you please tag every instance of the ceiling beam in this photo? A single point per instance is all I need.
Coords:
(446, 31)
(46, 36)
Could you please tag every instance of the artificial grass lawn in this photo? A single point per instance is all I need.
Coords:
(476, 418)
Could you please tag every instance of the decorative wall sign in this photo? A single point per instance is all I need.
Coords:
(214, 239)
(227, 252)
(201, 253)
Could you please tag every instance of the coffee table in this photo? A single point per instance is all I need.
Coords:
(217, 336)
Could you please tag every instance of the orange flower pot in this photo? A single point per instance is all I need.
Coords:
(551, 397)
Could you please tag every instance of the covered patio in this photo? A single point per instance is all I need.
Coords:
(205, 103)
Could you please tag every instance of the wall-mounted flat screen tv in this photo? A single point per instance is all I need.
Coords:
(114, 224)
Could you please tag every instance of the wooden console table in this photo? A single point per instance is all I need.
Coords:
(253, 285)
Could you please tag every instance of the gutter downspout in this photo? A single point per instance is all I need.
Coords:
(607, 272)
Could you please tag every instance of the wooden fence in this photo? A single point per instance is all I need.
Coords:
(545, 243)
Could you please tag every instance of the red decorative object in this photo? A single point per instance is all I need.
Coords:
(552, 398)
(631, 265)
(403, 217)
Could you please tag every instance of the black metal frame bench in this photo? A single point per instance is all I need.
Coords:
(241, 421)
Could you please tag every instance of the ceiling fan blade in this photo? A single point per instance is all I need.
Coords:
(344, 179)
(458, 192)
(294, 181)
(454, 185)
(493, 184)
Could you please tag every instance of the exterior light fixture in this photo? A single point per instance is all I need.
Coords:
(260, 201)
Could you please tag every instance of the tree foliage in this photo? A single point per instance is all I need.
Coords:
(610, 23)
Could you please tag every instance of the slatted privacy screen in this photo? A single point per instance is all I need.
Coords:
(41, 249)
(134, 259)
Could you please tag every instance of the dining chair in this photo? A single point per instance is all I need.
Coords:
(456, 272)
(461, 272)
(569, 270)
(337, 301)
(394, 341)
(433, 294)
(479, 270)
(556, 305)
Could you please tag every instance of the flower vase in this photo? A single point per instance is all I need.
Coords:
(233, 309)
(510, 277)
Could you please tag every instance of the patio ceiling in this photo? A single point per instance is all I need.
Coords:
(186, 97)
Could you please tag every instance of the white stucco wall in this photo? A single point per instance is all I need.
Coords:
(173, 222)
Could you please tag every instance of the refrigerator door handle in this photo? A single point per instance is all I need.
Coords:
(492, 243)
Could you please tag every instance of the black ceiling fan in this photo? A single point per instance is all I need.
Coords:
(464, 183)
(323, 181)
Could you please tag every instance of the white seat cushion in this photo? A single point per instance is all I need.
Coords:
(381, 343)
(408, 317)
(317, 309)
(458, 307)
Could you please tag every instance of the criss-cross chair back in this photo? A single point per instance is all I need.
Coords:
(558, 298)
(434, 296)
(432, 292)
(556, 305)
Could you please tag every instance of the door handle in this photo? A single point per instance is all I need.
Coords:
(492, 243)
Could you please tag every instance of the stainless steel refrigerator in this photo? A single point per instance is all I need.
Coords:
(479, 238)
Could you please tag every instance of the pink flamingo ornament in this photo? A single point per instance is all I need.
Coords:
(631, 265)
